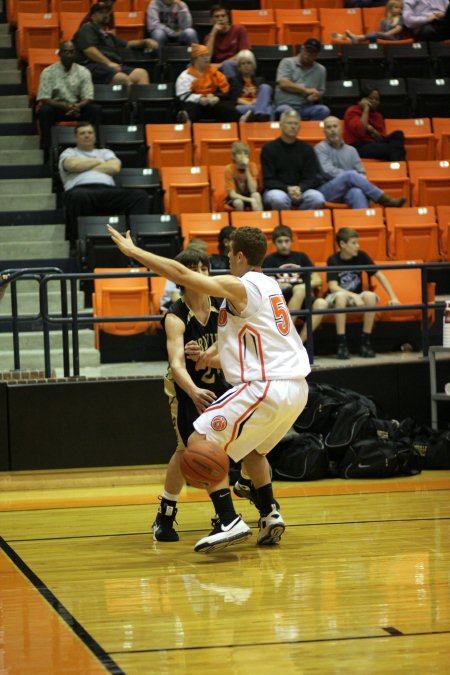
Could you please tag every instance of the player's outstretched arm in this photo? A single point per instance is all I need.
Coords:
(223, 286)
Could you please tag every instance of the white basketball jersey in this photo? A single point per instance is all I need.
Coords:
(261, 343)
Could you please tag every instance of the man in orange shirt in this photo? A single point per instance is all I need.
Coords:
(204, 92)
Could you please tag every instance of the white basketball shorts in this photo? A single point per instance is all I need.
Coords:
(253, 416)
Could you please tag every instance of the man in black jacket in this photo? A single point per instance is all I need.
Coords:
(291, 170)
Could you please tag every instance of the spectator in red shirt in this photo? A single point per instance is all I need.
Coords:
(364, 128)
(225, 41)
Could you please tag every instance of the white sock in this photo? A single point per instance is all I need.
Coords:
(171, 498)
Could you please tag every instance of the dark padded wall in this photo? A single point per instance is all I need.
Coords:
(4, 445)
(107, 423)
(87, 424)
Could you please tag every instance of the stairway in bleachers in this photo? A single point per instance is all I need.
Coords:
(31, 227)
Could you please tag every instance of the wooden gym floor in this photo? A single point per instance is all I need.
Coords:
(359, 584)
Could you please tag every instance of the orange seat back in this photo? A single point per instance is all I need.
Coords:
(435, 171)
(169, 144)
(297, 25)
(420, 142)
(38, 31)
(312, 232)
(407, 285)
(213, 140)
(391, 177)
(259, 24)
(338, 21)
(369, 224)
(130, 25)
(205, 226)
(443, 216)
(186, 189)
(38, 59)
(413, 233)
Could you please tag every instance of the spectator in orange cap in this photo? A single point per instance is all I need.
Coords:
(204, 92)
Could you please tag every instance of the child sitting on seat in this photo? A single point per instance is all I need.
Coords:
(241, 180)
(391, 27)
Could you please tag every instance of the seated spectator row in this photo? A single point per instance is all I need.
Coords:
(407, 233)
(183, 145)
(398, 234)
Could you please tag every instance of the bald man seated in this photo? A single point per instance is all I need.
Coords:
(338, 160)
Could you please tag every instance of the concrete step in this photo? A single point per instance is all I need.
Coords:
(19, 142)
(34, 340)
(9, 64)
(28, 303)
(16, 101)
(27, 202)
(15, 115)
(5, 40)
(28, 186)
(21, 157)
(33, 359)
(10, 76)
(32, 233)
(34, 250)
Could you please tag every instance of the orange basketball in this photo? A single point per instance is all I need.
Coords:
(204, 464)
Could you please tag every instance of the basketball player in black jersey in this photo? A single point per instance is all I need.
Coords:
(191, 328)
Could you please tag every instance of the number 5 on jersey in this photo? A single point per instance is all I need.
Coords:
(280, 313)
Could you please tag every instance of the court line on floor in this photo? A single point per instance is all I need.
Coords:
(310, 490)
(54, 604)
(339, 523)
(349, 638)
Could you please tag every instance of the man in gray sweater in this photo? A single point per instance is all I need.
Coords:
(338, 160)
(170, 21)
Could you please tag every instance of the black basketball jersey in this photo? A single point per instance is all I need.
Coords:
(205, 336)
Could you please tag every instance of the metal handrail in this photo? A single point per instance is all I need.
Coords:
(73, 321)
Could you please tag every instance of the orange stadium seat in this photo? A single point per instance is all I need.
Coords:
(420, 142)
(267, 221)
(140, 5)
(259, 23)
(332, 4)
(311, 131)
(371, 17)
(431, 182)
(120, 297)
(14, 7)
(391, 177)
(408, 288)
(70, 6)
(297, 25)
(312, 232)
(212, 141)
(186, 189)
(69, 22)
(441, 129)
(336, 21)
(126, 6)
(413, 233)
(218, 192)
(36, 31)
(258, 133)
(204, 226)
(130, 25)
(443, 215)
(281, 4)
(157, 286)
(169, 144)
(370, 226)
(38, 59)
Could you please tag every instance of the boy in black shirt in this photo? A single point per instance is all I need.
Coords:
(345, 289)
(290, 280)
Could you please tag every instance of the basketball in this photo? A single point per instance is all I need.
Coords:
(204, 464)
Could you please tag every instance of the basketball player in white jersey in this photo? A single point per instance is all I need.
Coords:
(263, 358)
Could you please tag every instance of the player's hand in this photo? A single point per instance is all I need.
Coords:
(394, 301)
(192, 350)
(359, 302)
(125, 244)
(202, 398)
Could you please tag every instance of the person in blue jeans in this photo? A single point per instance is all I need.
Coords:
(301, 83)
(250, 91)
(294, 178)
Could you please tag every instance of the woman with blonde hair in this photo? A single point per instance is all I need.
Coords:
(250, 91)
